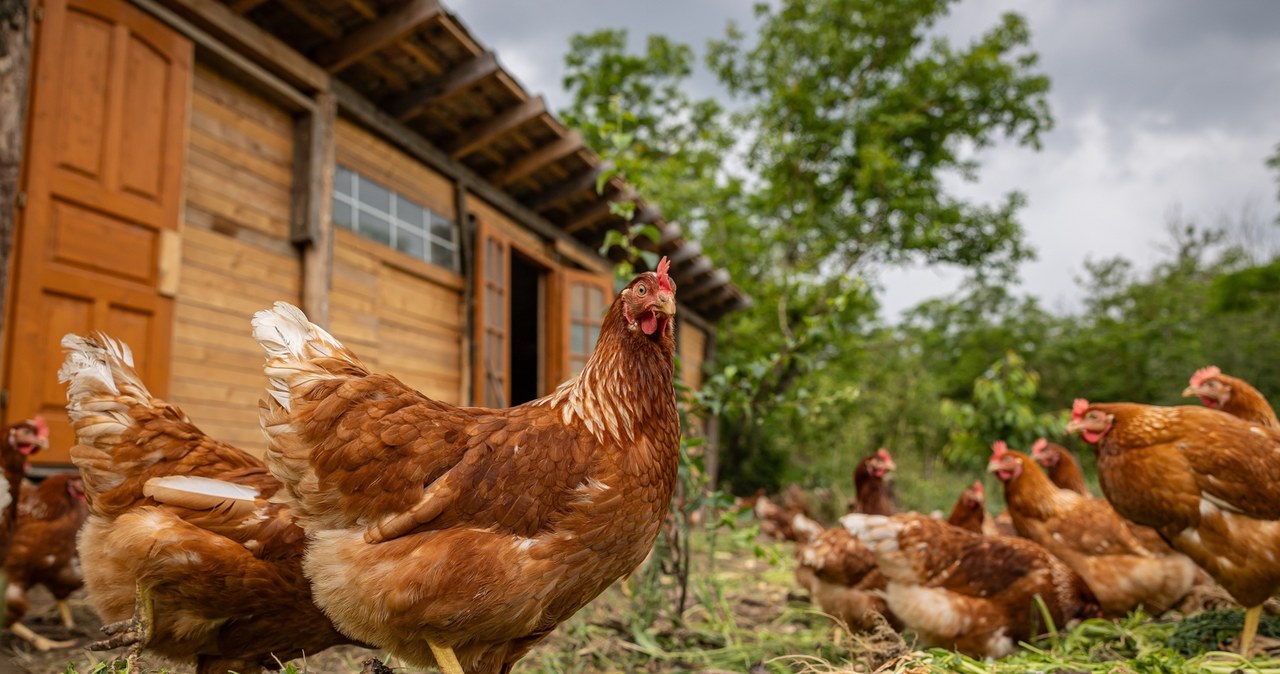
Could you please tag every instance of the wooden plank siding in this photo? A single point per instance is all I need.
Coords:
(236, 256)
(692, 348)
(401, 315)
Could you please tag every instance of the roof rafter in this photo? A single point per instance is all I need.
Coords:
(579, 182)
(371, 37)
(547, 154)
(589, 216)
(480, 135)
(715, 279)
(410, 104)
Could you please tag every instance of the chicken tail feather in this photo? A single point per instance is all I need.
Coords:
(295, 348)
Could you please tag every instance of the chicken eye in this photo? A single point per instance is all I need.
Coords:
(642, 290)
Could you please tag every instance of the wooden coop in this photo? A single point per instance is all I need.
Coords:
(191, 161)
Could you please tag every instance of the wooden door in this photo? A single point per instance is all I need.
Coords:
(103, 183)
(492, 385)
(587, 298)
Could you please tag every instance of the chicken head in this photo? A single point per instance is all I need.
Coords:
(649, 303)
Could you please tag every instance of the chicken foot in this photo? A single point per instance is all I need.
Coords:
(64, 610)
(134, 632)
(1251, 618)
(445, 658)
(38, 642)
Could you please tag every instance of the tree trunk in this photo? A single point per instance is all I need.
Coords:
(15, 67)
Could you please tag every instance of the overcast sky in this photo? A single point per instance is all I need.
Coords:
(1158, 103)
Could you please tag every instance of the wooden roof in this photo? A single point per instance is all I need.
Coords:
(418, 64)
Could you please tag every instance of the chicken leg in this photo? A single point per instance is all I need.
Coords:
(134, 632)
(64, 610)
(445, 658)
(40, 643)
(1251, 618)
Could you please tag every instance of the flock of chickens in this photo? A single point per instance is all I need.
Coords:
(1192, 498)
(456, 537)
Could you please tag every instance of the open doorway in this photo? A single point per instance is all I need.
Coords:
(528, 337)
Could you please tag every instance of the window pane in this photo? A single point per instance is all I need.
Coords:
(375, 227)
(342, 181)
(411, 213)
(342, 215)
(595, 306)
(411, 242)
(577, 338)
(441, 256)
(441, 227)
(375, 195)
(577, 301)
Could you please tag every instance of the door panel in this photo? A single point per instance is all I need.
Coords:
(103, 182)
(492, 385)
(587, 298)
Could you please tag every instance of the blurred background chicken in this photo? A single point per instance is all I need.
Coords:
(1060, 465)
(462, 536)
(964, 591)
(874, 495)
(970, 511)
(22, 440)
(1232, 395)
(184, 555)
(1091, 538)
(43, 552)
(1207, 481)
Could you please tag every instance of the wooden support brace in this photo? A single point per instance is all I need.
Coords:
(717, 279)
(410, 104)
(311, 222)
(480, 135)
(369, 38)
(596, 212)
(547, 154)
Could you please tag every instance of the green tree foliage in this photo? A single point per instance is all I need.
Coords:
(1003, 408)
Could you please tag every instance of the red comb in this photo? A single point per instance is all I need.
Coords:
(1039, 445)
(883, 453)
(999, 447)
(1204, 374)
(1079, 407)
(664, 281)
(42, 428)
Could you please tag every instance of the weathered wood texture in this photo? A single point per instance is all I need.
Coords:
(692, 349)
(15, 63)
(236, 255)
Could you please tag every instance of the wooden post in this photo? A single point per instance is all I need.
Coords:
(311, 221)
(467, 234)
(15, 68)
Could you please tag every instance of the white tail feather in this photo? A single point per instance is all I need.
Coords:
(289, 340)
(203, 486)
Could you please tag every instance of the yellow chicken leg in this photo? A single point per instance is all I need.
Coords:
(1251, 618)
(445, 658)
(64, 610)
(40, 643)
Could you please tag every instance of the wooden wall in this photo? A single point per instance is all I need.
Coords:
(236, 257)
(399, 314)
(692, 348)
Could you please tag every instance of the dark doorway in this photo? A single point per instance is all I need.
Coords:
(526, 330)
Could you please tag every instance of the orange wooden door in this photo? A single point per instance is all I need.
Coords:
(588, 296)
(492, 385)
(103, 182)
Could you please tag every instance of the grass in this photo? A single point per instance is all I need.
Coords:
(747, 615)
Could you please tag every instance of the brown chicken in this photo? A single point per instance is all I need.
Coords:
(44, 552)
(462, 536)
(970, 511)
(841, 576)
(1091, 538)
(1061, 465)
(870, 481)
(965, 591)
(1207, 481)
(22, 440)
(780, 522)
(1232, 395)
(185, 555)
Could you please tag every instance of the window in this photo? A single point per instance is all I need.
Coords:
(587, 301)
(371, 210)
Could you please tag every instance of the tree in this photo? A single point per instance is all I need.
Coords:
(15, 61)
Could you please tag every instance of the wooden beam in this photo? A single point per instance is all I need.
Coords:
(699, 267)
(245, 6)
(582, 181)
(247, 39)
(715, 279)
(369, 38)
(486, 132)
(589, 216)
(547, 154)
(364, 111)
(670, 232)
(410, 104)
(646, 214)
(684, 253)
(311, 221)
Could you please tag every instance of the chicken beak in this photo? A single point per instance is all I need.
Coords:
(1190, 392)
(666, 305)
(1073, 427)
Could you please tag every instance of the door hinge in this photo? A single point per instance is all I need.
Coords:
(20, 199)
(37, 13)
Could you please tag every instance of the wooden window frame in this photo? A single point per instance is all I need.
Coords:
(570, 279)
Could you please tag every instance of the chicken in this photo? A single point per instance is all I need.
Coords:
(841, 576)
(1232, 395)
(870, 481)
(1062, 467)
(22, 440)
(1091, 538)
(1207, 481)
(43, 552)
(968, 592)
(970, 511)
(184, 553)
(781, 523)
(462, 536)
